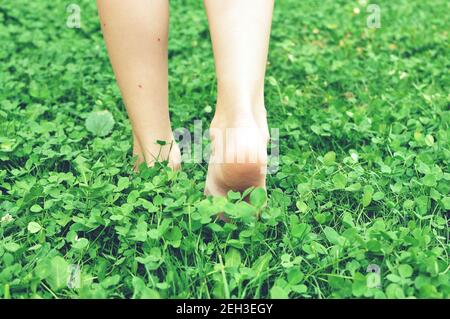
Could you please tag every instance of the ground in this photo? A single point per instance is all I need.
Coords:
(363, 180)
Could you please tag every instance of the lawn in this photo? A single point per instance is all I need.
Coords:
(358, 207)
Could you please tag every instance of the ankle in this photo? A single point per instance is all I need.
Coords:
(241, 116)
(233, 120)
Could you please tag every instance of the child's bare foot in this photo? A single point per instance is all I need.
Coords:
(239, 155)
(137, 153)
(154, 152)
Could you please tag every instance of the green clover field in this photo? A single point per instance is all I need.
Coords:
(357, 208)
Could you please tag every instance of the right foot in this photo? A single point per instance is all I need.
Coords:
(245, 138)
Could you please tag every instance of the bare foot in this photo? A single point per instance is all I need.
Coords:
(154, 152)
(239, 153)
(137, 152)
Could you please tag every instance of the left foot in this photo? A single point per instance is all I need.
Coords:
(137, 151)
(153, 152)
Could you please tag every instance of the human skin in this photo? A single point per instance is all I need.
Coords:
(240, 32)
(136, 36)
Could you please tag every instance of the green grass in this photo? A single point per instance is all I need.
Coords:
(364, 178)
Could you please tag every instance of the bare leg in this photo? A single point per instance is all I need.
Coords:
(136, 35)
(240, 32)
